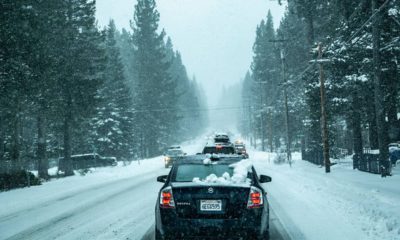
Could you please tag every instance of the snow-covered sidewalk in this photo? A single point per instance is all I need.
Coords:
(344, 204)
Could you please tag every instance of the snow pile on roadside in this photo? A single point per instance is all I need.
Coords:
(16, 199)
(344, 204)
(240, 170)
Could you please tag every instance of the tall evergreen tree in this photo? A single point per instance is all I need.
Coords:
(155, 89)
(113, 124)
(83, 62)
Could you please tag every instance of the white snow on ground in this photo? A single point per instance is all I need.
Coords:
(344, 204)
(118, 202)
(108, 203)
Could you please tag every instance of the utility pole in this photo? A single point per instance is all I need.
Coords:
(324, 124)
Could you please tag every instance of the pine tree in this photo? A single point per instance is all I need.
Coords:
(154, 88)
(113, 124)
(81, 72)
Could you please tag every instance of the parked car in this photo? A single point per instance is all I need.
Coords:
(394, 153)
(187, 207)
(171, 155)
(83, 161)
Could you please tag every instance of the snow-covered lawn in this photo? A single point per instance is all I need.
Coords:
(344, 204)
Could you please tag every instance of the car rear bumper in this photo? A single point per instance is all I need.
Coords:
(178, 228)
(210, 228)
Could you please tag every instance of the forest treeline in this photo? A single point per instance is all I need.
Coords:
(360, 47)
(69, 87)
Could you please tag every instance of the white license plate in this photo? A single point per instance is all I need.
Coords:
(211, 205)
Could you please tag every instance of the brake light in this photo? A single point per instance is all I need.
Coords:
(255, 198)
(218, 147)
(166, 198)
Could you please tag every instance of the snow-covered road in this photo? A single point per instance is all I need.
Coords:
(116, 209)
(110, 203)
(118, 203)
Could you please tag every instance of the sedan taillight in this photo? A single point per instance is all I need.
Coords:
(255, 198)
(166, 198)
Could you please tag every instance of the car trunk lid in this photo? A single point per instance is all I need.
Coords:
(210, 201)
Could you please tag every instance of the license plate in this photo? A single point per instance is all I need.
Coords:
(211, 205)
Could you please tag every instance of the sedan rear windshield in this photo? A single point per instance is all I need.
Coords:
(186, 173)
(221, 150)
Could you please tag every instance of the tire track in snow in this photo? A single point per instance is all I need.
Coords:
(56, 227)
(63, 197)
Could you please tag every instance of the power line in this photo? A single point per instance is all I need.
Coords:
(366, 22)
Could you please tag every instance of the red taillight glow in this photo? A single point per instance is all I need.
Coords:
(166, 198)
(255, 198)
(218, 146)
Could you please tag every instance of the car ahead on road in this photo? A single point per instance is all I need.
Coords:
(83, 161)
(219, 148)
(190, 205)
(240, 149)
(221, 138)
(171, 155)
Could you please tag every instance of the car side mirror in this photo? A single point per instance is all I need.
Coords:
(162, 178)
(265, 179)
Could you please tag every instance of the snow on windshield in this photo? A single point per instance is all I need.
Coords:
(239, 176)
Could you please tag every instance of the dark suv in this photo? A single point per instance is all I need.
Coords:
(191, 205)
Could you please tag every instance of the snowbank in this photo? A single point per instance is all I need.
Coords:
(344, 204)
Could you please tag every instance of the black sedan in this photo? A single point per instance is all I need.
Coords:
(208, 198)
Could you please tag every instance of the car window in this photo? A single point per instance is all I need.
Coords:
(186, 173)
(221, 150)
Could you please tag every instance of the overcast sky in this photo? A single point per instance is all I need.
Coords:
(215, 37)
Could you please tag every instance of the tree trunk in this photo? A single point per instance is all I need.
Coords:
(356, 122)
(15, 150)
(372, 131)
(43, 164)
(379, 96)
(67, 142)
(390, 76)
